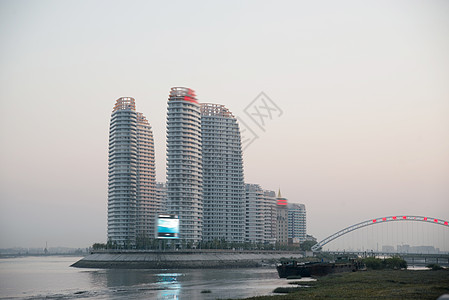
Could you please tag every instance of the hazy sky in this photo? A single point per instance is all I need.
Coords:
(363, 86)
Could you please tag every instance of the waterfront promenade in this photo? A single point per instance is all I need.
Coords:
(183, 259)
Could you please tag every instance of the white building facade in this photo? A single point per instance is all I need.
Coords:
(147, 205)
(223, 183)
(131, 175)
(161, 196)
(184, 163)
(297, 227)
(270, 214)
(260, 215)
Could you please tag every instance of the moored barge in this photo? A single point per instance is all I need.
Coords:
(308, 269)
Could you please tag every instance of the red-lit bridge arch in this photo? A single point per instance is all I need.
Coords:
(338, 234)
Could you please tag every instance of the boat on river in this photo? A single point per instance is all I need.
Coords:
(308, 269)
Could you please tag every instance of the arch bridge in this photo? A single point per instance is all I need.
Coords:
(436, 221)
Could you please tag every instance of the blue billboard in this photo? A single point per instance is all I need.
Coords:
(167, 227)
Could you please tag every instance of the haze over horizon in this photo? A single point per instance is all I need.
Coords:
(363, 89)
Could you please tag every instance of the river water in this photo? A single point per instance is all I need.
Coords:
(51, 278)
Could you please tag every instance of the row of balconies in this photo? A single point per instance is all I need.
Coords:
(122, 155)
(121, 124)
(120, 129)
(227, 178)
(178, 159)
(183, 117)
(177, 169)
(175, 139)
(184, 148)
(184, 179)
(182, 145)
(122, 136)
(118, 177)
(188, 119)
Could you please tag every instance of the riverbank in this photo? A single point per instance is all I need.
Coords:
(381, 284)
(194, 259)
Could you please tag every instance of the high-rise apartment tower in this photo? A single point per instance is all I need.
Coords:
(147, 205)
(131, 175)
(184, 163)
(223, 183)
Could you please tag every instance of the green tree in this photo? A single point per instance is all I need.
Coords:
(387, 263)
(394, 262)
(373, 263)
(98, 246)
(307, 245)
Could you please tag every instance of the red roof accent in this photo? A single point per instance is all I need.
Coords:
(190, 99)
(282, 201)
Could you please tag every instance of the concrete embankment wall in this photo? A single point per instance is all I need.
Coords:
(177, 260)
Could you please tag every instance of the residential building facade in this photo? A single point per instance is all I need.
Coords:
(270, 213)
(131, 175)
(281, 220)
(297, 228)
(147, 205)
(254, 214)
(161, 196)
(260, 215)
(184, 163)
(223, 183)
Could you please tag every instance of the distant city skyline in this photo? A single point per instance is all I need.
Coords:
(362, 87)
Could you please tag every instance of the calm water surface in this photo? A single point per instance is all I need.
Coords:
(52, 278)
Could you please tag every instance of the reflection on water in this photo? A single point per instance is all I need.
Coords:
(169, 284)
(42, 277)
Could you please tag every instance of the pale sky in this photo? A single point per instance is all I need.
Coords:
(363, 87)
